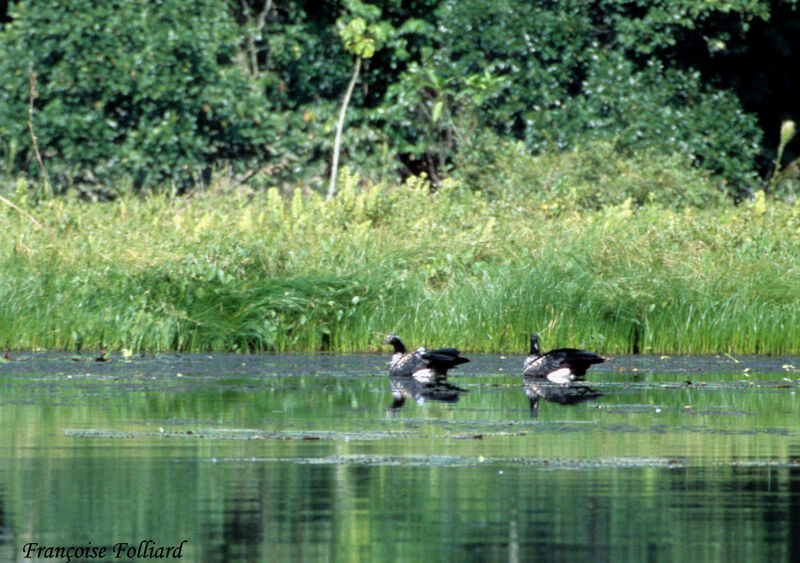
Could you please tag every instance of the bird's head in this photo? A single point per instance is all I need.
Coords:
(395, 341)
(534, 344)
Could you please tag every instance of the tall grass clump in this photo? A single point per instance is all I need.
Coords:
(236, 270)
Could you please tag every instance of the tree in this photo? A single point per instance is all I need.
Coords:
(129, 92)
(362, 40)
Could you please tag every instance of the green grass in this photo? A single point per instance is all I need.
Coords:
(235, 270)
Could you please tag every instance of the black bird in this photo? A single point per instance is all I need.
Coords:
(422, 364)
(561, 366)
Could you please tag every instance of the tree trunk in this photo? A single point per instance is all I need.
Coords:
(339, 126)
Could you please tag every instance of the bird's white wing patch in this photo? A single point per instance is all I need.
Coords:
(561, 376)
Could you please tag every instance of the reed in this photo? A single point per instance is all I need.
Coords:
(237, 270)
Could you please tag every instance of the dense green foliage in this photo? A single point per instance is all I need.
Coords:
(542, 74)
(241, 270)
(128, 90)
(165, 94)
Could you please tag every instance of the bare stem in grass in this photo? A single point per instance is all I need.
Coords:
(28, 215)
(34, 95)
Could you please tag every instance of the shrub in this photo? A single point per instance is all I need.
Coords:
(556, 76)
(593, 175)
(128, 89)
(153, 93)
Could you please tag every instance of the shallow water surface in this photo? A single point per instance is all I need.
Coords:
(268, 458)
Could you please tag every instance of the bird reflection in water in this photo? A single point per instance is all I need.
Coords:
(422, 389)
(537, 389)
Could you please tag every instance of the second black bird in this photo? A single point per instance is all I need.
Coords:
(561, 366)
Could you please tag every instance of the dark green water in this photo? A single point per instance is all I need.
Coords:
(288, 458)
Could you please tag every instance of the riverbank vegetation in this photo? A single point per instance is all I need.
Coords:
(238, 269)
(609, 174)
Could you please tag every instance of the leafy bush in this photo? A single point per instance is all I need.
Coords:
(592, 176)
(555, 77)
(144, 91)
(166, 92)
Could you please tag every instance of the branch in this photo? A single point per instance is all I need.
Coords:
(261, 21)
(34, 95)
(262, 17)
